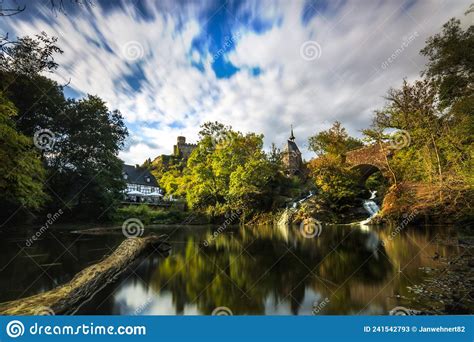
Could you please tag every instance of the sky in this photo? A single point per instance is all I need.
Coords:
(259, 66)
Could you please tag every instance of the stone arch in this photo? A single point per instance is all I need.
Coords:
(370, 159)
(367, 170)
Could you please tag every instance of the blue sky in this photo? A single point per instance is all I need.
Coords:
(259, 66)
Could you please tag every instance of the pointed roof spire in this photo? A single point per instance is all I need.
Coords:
(292, 136)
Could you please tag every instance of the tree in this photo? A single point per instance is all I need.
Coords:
(435, 115)
(334, 141)
(29, 56)
(86, 171)
(413, 109)
(451, 61)
(338, 183)
(213, 129)
(21, 172)
(40, 101)
(227, 171)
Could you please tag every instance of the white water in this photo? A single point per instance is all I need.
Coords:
(371, 207)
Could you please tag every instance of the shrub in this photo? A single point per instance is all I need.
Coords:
(149, 215)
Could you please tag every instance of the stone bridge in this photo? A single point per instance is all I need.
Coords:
(370, 159)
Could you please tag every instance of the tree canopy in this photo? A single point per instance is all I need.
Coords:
(80, 169)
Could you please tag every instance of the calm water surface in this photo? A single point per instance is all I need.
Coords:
(251, 271)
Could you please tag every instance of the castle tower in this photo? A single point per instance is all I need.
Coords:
(183, 149)
(291, 156)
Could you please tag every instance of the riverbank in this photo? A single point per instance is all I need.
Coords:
(68, 298)
(449, 290)
(427, 203)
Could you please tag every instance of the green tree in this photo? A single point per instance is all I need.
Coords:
(86, 171)
(338, 183)
(40, 101)
(451, 61)
(334, 141)
(227, 171)
(413, 109)
(22, 174)
(29, 56)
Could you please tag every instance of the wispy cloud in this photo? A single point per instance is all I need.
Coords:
(171, 66)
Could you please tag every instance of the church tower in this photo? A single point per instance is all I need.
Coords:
(291, 156)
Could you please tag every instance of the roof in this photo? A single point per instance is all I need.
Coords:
(138, 175)
(292, 147)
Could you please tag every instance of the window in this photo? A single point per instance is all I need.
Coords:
(125, 176)
(148, 180)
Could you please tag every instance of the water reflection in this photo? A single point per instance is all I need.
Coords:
(265, 270)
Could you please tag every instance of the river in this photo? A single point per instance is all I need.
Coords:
(244, 271)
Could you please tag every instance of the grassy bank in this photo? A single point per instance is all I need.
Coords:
(150, 215)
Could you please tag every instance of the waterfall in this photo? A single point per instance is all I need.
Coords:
(371, 207)
(285, 217)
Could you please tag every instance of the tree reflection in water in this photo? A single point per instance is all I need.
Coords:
(253, 271)
(266, 271)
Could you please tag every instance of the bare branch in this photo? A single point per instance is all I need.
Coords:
(8, 12)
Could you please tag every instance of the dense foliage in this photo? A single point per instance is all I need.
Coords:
(229, 171)
(22, 173)
(335, 141)
(74, 163)
(339, 184)
(434, 116)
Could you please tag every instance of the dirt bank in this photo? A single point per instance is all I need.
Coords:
(428, 203)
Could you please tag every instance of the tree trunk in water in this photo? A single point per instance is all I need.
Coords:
(68, 298)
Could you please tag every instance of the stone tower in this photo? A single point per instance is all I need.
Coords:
(182, 149)
(291, 156)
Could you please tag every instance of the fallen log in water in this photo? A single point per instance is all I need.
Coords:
(67, 298)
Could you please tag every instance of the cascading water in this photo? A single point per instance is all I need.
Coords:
(371, 207)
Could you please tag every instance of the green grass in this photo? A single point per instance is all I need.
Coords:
(150, 215)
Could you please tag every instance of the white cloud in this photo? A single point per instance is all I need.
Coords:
(346, 83)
